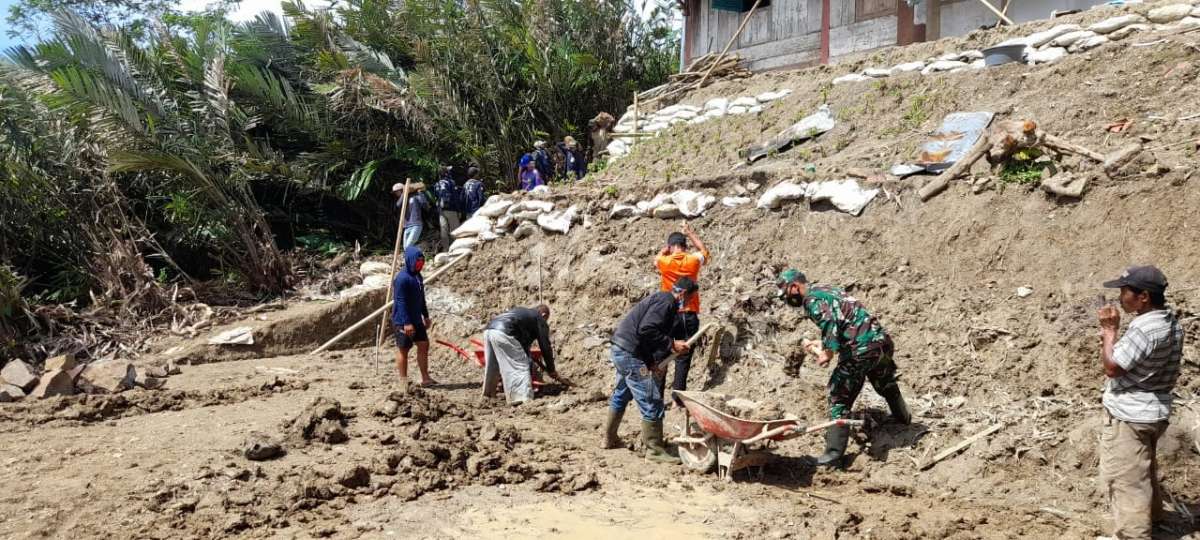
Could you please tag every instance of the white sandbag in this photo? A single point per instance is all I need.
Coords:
(685, 115)
(1038, 39)
(463, 243)
(973, 54)
(487, 236)
(734, 202)
(783, 191)
(755, 109)
(650, 205)
(457, 252)
(667, 211)
(472, 227)
(1195, 12)
(525, 230)
(676, 121)
(1024, 40)
(1186, 22)
(772, 96)
(716, 104)
(527, 215)
(627, 118)
(493, 208)
(716, 113)
(504, 223)
(617, 147)
(376, 281)
(242, 335)
(1125, 32)
(667, 111)
(949, 57)
(1112, 24)
(541, 191)
(623, 128)
(1068, 38)
(1047, 56)
(845, 195)
(524, 206)
(1169, 13)
(369, 268)
(559, 222)
(744, 101)
(441, 258)
(907, 67)
(738, 109)
(1087, 43)
(699, 120)
(877, 73)
(655, 126)
(942, 65)
(691, 203)
(621, 211)
(978, 64)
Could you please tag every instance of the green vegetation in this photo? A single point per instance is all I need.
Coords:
(168, 147)
(1023, 168)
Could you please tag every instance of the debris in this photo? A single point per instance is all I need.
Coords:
(107, 377)
(9, 393)
(1024, 292)
(261, 447)
(1122, 156)
(953, 139)
(149, 383)
(807, 128)
(323, 420)
(242, 335)
(19, 374)
(54, 383)
(1119, 126)
(370, 268)
(962, 445)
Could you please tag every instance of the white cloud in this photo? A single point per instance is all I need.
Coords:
(245, 10)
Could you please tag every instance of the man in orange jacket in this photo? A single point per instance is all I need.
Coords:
(674, 262)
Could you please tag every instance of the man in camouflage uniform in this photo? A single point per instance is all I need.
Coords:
(865, 352)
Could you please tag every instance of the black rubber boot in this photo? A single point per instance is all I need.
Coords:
(836, 438)
(611, 440)
(897, 405)
(652, 440)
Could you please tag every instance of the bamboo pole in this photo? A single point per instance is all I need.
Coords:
(998, 13)
(635, 114)
(395, 258)
(383, 309)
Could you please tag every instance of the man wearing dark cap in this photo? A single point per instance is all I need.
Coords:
(865, 352)
(642, 340)
(1140, 369)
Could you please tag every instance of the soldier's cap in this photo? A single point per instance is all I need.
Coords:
(1145, 278)
(789, 276)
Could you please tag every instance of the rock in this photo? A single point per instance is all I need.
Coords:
(621, 211)
(907, 67)
(107, 377)
(592, 342)
(1041, 38)
(173, 369)
(242, 335)
(149, 383)
(942, 65)
(1068, 38)
(19, 374)
(54, 383)
(261, 447)
(354, 476)
(1169, 13)
(1023, 292)
(1084, 44)
(154, 371)
(62, 362)
(876, 73)
(1047, 56)
(851, 78)
(9, 393)
(1112, 24)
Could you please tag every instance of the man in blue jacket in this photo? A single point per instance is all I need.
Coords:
(410, 316)
(642, 340)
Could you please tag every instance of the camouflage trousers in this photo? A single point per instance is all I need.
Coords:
(876, 365)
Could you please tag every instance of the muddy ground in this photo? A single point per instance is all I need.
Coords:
(362, 461)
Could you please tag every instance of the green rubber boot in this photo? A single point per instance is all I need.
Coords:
(652, 440)
(611, 439)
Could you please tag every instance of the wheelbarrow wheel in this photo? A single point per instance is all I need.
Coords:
(700, 457)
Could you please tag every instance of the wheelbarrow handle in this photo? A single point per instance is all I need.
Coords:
(831, 423)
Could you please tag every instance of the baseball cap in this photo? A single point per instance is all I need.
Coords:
(791, 275)
(397, 187)
(1146, 278)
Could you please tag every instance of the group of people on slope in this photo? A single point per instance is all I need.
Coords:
(539, 168)
(443, 208)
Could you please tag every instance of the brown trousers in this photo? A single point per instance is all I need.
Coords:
(1129, 475)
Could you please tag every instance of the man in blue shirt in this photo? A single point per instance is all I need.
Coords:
(449, 204)
(410, 316)
(473, 196)
(418, 205)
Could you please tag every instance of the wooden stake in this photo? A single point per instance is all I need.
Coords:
(383, 309)
(635, 113)
(728, 44)
(960, 446)
(998, 13)
(935, 186)
(395, 259)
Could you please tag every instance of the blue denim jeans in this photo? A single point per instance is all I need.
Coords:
(412, 233)
(636, 383)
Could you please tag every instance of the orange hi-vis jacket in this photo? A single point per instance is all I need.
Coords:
(673, 266)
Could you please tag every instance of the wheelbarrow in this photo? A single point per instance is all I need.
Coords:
(712, 439)
(477, 354)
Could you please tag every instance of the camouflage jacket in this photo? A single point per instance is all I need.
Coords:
(847, 329)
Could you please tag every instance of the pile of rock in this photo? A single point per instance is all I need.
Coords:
(845, 195)
(502, 216)
(1049, 46)
(656, 121)
(64, 376)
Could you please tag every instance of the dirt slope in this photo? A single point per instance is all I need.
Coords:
(941, 275)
